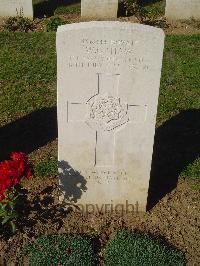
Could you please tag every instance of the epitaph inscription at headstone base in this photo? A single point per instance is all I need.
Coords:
(99, 9)
(108, 88)
(182, 9)
(13, 8)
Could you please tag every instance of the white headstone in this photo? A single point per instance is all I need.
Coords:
(182, 9)
(108, 88)
(13, 8)
(99, 9)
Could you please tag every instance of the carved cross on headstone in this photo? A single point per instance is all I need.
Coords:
(106, 114)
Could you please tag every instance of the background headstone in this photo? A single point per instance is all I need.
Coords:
(108, 88)
(12, 8)
(182, 9)
(99, 9)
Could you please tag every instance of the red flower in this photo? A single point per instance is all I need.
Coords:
(19, 156)
(3, 183)
(27, 172)
(11, 171)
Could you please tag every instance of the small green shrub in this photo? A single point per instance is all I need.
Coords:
(135, 249)
(133, 7)
(60, 250)
(46, 167)
(18, 24)
(52, 23)
(24, 24)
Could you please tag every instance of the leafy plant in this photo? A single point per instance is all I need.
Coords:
(24, 24)
(46, 167)
(18, 23)
(135, 249)
(60, 250)
(133, 7)
(7, 209)
(52, 23)
(11, 173)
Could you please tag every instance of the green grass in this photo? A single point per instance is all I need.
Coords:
(28, 77)
(193, 171)
(180, 76)
(60, 250)
(156, 8)
(72, 8)
(134, 249)
(28, 73)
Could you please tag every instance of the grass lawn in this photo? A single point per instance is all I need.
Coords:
(28, 73)
(155, 7)
(28, 78)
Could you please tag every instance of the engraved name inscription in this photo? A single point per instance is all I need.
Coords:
(100, 53)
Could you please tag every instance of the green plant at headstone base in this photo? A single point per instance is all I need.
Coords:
(51, 250)
(24, 24)
(47, 167)
(52, 23)
(133, 7)
(18, 23)
(8, 213)
(12, 171)
(129, 249)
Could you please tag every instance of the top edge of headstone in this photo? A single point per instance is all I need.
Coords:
(109, 24)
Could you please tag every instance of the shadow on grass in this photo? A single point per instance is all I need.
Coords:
(29, 133)
(48, 7)
(177, 144)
